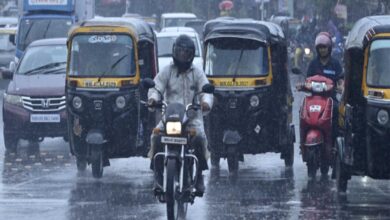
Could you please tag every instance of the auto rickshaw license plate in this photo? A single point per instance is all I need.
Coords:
(173, 140)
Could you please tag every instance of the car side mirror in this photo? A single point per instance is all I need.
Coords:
(208, 88)
(296, 70)
(148, 83)
(6, 73)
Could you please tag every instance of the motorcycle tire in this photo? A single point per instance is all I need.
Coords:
(312, 164)
(81, 164)
(341, 176)
(176, 209)
(97, 163)
(232, 160)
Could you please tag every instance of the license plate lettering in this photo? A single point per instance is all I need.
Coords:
(173, 140)
(45, 118)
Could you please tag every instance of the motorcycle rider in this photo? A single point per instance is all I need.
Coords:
(179, 82)
(303, 37)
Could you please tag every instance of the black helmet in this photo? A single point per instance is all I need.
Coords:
(183, 52)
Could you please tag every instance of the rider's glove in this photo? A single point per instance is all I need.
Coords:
(300, 86)
(205, 107)
(151, 104)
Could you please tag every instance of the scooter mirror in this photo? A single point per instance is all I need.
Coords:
(208, 88)
(148, 83)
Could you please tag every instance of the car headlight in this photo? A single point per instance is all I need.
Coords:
(77, 102)
(120, 102)
(254, 101)
(13, 99)
(383, 117)
(173, 128)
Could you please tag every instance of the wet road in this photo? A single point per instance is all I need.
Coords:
(41, 182)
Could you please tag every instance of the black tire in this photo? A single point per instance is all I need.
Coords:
(81, 164)
(312, 163)
(97, 164)
(341, 176)
(214, 159)
(10, 142)
(172, 206)
(324, 169)
(232, 160)
(289, 156)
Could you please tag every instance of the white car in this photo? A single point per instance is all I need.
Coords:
(175, 19)
(167, 37)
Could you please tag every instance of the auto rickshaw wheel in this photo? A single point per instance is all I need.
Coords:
(341, 176)
(10, 142)
(97, 163)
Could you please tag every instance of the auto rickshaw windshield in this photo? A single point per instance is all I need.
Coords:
(236, 57)
(96, 55)
(378, 74)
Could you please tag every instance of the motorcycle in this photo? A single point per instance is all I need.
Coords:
(306, 55)
(316, 124)
(180, 163)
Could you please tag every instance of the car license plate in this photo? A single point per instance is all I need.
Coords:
(173, 140)
(45, 118)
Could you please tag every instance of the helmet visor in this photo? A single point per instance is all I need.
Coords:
(183, 54)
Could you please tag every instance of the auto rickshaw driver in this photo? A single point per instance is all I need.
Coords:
(179, 82)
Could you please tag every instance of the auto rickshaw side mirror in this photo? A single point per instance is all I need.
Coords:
(148, 83)
(296, 70)
(208, 88)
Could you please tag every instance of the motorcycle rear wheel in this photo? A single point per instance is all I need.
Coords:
(312, 163)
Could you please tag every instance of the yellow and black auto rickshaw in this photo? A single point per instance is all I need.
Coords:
(252, 113)
(106, 60)
(364, 141)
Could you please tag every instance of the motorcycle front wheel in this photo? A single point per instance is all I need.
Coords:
(176, 208)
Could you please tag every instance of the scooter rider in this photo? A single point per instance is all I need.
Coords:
(179, 82)
(303, 37)
(329, 67)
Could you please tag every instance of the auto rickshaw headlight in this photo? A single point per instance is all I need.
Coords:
(120, 102)
(77, 102)
(173, 128)
(254, 101)
(383, 117)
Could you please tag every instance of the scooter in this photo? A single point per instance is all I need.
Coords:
(316, 124)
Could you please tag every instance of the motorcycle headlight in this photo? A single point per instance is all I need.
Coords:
(383, 117)
(307, 51)
(77, 102)
(120, 102)
(254, 101)
(13, 99)
(173, 128)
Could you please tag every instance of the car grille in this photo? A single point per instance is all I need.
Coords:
(44, 104)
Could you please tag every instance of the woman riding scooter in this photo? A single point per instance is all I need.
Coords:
(323, 66)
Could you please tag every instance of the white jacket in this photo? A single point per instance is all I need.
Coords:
(181, 88)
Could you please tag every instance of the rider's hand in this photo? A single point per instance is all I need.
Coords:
(205, 107)
(152, 102)
(299, 86)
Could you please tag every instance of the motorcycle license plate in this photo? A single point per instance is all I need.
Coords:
(173, 140)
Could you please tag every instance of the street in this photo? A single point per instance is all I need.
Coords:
(41, 182)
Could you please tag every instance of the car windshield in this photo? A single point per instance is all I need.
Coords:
(5, 44)
(236, 57)
(176, 22)
(165, 46)
(43, 59)
(102, 55)
(378, 74)
(35, 29)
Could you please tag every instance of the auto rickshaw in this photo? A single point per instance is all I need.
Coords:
(364, 141)
(252, 113)
(107, 57)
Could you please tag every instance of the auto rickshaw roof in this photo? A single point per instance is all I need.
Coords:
(373, 24)
(139, 26)
(243, 28)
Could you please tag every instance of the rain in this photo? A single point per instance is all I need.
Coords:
(185, 109)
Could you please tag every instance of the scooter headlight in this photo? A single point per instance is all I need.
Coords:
(254, 101)
(120, 102)
(307, 51)
(77, 102)
(173, 128)
(383, 117)
(318, 86)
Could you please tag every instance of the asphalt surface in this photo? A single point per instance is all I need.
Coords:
(41, 182)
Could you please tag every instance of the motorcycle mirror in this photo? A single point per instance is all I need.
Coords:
(208, 88)
(148, 83)
(296, 70)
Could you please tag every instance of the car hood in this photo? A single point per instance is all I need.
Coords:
(38, 85)
(164, 61)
